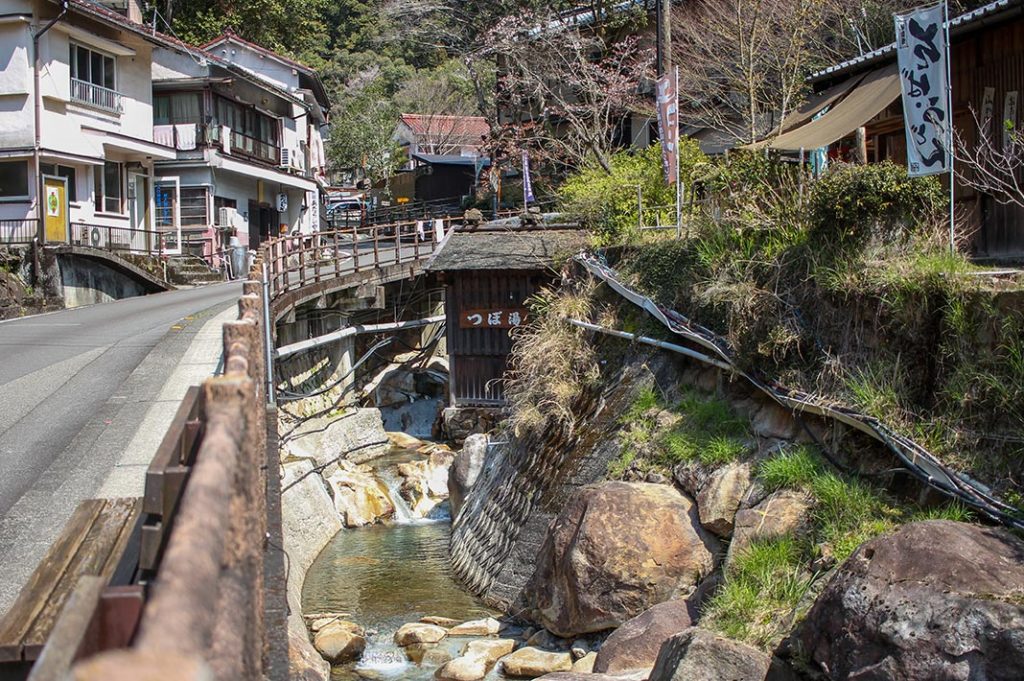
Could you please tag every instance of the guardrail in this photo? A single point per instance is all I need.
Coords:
(18, 232)
(207, 514)
(125, 239)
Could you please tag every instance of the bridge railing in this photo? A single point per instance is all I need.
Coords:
(299, 260)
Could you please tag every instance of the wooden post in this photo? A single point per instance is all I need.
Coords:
(860, 151)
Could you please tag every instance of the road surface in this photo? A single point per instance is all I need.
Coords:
(72, 384)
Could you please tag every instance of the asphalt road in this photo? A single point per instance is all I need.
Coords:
(59, 370)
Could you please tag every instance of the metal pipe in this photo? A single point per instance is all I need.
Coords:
(268, 339)
(699, 356)
(333, 336)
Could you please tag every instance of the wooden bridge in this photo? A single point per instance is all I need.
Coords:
(189, 581)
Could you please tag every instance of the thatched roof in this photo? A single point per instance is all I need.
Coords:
(506, 250)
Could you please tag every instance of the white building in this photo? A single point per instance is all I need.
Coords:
(76, 122)
(246, 124)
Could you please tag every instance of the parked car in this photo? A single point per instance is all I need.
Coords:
(348, 210)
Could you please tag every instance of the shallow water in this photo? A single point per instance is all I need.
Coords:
(383, 576)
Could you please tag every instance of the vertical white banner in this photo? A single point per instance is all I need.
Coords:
(922, 53)
(667, 99)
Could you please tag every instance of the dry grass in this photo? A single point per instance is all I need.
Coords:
(551, 363)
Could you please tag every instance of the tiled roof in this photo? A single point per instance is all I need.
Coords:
(229, 36)
(959, 24)
(467, 128)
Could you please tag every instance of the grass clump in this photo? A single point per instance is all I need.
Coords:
(763, 585)
(708, 432)
(795, 468)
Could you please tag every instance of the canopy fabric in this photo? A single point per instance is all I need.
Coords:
(817, 102)
(878, 90)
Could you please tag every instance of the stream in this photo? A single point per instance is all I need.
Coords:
(383, 576)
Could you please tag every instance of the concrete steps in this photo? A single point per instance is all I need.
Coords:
(191, 271)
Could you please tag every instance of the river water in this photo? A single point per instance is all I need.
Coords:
(383, 576)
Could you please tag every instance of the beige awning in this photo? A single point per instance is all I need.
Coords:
(877, 91)
(817, 102)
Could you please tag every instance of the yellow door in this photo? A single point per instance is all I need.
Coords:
(56, 197)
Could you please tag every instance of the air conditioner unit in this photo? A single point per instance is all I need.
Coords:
(226, 216)
(286, 158)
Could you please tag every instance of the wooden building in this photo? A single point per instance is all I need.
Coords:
(488, 275)
(987, 64)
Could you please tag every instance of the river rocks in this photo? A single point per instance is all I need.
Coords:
(585, 665)
(484, 627)
(340, 641)
(615, 550)
(418, 632)
(464, 470)
(476, 660)
(392, 385)
(699, 655)
(546, 640)
(359, 497)
(773, 420)
(719, 498)
(934, 600)
(425, 482)
(635, 644)
(780, 513)
(445, 622)
(533, 662)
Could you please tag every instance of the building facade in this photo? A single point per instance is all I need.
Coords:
(76, 123)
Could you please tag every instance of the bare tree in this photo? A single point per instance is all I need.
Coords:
(564, 88)
(993, 163)
(743, 63)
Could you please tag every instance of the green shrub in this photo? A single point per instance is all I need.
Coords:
(850, 204)
(607, 202)
(709, 432)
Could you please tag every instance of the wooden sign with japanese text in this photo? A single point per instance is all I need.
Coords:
(497, 318)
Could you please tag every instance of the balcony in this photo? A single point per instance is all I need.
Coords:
(96, 96)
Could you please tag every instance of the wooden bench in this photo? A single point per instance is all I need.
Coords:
(93, 543)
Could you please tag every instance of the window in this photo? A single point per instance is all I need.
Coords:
(65, 172)
(93, 78)
(13, 179)
(252, 133)
(178, 108)
(193, 207)
(107, 181)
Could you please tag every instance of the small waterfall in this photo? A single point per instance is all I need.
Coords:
(393, 485)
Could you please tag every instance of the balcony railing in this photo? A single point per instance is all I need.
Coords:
(96, 96)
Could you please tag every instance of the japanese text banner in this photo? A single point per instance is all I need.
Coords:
(668, 125)
(922, 54)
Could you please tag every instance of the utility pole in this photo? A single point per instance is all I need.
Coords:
(664, 43)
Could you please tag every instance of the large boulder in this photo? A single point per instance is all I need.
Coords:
(719, 498)
(636, 643)
(418, 632)
(934, 600)
(485, 627)
(700, 655)
(359, 497)
(357, 435)
(615, 550)
(464, 470)
(782, 512)
(425, 482)
(533, 662)
(340, 641)
(476, 660)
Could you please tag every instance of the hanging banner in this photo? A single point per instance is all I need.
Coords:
(922, 53)
(527, 182)
(668, 125)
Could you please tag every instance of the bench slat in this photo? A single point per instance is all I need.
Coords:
(35, 595)
(97, 555)
(69, 632)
